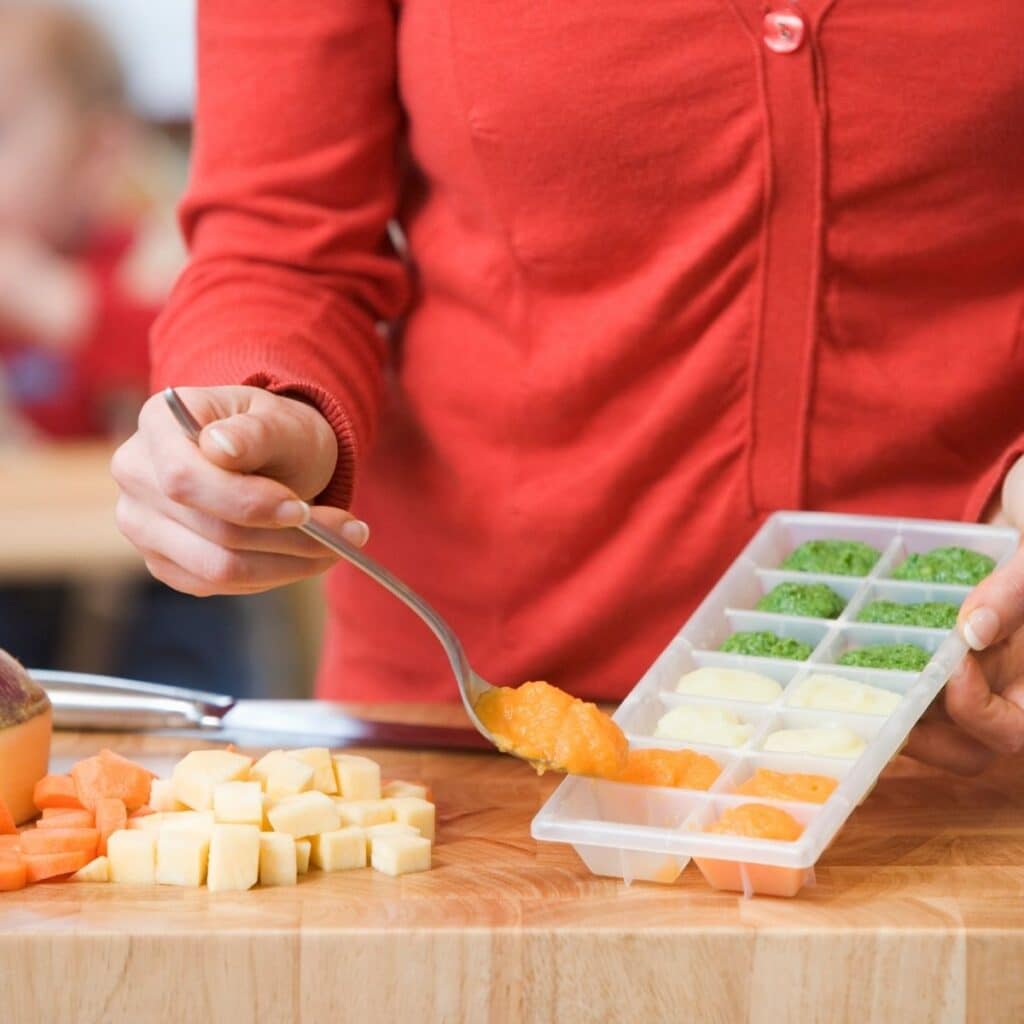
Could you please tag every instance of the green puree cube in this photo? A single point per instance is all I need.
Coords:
(763, 644)
(903, 657)
(813, 600)
(833, 557)
(933, 614)
(946, 565)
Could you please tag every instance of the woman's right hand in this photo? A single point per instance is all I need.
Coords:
(209, 519)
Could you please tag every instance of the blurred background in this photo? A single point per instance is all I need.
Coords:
(95, 122)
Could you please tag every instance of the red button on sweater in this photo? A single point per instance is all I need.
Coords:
(666, 280)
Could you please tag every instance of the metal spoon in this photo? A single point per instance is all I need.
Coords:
(471, 686)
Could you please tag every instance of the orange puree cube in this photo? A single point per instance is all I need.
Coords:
(814, 789)
(684, 769)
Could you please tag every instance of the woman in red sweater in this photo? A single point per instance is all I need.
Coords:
(669, 268)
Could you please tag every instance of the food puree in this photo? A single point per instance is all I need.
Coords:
(757, 821)
(813, 600)
(900, 657)
(811, 789)
(946, 565)
(825, 740)
(932, 614)
(691, 724)
(832, 557)
(834, 693)
(762, 644)
(729, 683)
(678, 769)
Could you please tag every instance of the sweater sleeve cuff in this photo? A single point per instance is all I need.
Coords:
(988, 487)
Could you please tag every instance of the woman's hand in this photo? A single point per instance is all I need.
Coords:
(983, 712)
(209, 519)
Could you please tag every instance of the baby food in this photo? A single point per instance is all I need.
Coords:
(729, 684)
(900, 657)
(933, 614)
(946, 565)
(834, 693)
(757, 821)
(693, 724)
(767, 784)
(824, 740)
(833, 557)
(547, 726)
(683, 769)
(815, 600)
(762, 644)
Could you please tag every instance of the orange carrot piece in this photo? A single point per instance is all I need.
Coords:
(10, 844)
(110, 775)
(110, 816)
(13, 874)
(67, 819)
(60, 840)
(142, 812)
(56, 791)
(56, 812)
(7, 826)
(40, 866)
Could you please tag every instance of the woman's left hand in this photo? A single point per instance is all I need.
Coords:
(982, 715)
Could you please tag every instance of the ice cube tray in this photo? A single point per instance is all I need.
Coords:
(649, 833)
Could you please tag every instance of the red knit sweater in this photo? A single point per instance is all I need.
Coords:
(667, 279)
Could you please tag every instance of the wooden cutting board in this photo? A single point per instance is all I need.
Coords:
(917, 915)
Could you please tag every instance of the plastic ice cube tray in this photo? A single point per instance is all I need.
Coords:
(649, 833)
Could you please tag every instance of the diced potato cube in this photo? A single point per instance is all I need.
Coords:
(234, 858)
(265, 821)
(358, 777)
(323, 767)
(238, 803)
(189, 821)
(400, 855)
(365, 812)
(340, 850)
(97, 870)
(303, 849)
(182, 857)
(389, 828)
(282, 774)
(196, 774)
(132, 856)
(411, 810)
(278, 863)
(398, 787)
(146, 822)
(305, 814)
(162, 798)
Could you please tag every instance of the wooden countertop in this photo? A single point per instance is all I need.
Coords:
(917, 915)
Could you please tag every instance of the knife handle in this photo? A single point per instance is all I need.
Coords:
(102, 703)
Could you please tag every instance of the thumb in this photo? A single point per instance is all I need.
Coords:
(995, 608)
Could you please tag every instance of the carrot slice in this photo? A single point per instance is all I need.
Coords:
(67, 819)
(40, 866)
(7, 826)
(56, 791)
(110, 775)
(110, 816)
(56, 812)
(60, 840)
(10, 844)
(142, 812)
(13, 873)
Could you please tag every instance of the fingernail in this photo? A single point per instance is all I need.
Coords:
(356, 532)
(981, 628)
(291, 513)
(223, 442)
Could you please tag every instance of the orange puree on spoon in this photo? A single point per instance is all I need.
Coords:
(683, 769)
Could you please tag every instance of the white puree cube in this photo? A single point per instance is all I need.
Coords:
(358, 777)
(400, 855)
(398, 787)
(365, 812)
(196, 774)
(132, 857)
(305, 814)
(189, 821)
(147, 823)
(282, 774)
(234, 858)
(182, 857)
(97, 870)
(323, 767)
(303, 849)
(411, 810)
(162, 798)
(389, 828)
(278, 863)
(238, 803)
(340, 850)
